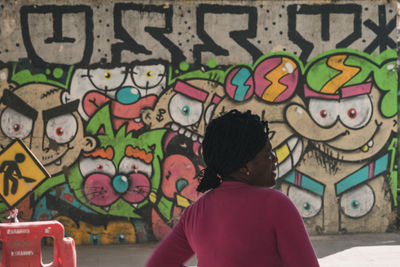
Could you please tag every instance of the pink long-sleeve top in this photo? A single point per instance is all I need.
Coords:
(238, 225)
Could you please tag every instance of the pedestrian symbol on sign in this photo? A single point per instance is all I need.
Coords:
(20, 173)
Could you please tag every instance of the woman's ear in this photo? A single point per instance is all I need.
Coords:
(240, 175)
(243, 170)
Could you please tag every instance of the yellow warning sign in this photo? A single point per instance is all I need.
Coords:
(20, 173)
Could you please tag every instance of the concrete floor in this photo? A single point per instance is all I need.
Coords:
(356, 250)
(366, 250)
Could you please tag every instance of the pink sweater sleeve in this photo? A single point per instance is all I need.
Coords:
(294, 245)
(174, 250)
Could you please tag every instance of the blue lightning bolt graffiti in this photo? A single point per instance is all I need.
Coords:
(239, 80)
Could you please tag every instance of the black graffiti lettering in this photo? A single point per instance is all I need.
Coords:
(58, 36)
(240, 37)
(382, 32)
(158, 34)
(160, 115)
(121, 33)
(57, 30)
(324, 11)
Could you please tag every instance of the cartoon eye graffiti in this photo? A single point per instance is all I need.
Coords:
(184, 110)
(355, 112)
(308, 204)
(107, 79)
(88, 166)
(108, 75)
(129, 165)
(14, 124)
(62, 129)
(98, 186)
(357, 202)
(352, 113)
(324, 112)
(148, 76)
(121, 239)
(94, 239)
(181, 184)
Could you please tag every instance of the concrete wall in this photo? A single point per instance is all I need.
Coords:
(113, 99)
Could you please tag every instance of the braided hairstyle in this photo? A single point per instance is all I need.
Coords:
(229, 143)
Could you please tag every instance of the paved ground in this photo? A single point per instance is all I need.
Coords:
(358, 250)
(361, 250)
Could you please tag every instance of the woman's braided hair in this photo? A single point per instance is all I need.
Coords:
(229, 143)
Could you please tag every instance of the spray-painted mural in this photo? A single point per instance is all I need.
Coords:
(113, 100)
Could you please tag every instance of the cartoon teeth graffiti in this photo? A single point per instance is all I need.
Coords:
(52, 130)
(186, 107)
(266, 91)
(129, 90)
(349, 120)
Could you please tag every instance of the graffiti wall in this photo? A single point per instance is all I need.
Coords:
(113, 99)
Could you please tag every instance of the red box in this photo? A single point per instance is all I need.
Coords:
(22, 244)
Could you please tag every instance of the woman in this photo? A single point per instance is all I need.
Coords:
(240, 222)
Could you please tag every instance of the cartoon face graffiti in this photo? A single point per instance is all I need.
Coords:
(178, 184)
(185, 108)
(128, 89)
(266, 91)
(345, 115)
(353, 200)
(104, 183)
(179, 181)
(287, 146)
(52, 130)
(123, 174)
(343, 175)
(350, 128)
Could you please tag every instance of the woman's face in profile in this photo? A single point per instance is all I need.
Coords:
(262, 167)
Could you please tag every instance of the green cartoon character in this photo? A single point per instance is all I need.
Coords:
(123, 175)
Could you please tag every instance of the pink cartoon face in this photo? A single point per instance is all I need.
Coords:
(104, 184)
(179, 181)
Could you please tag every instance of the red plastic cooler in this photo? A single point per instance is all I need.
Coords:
(22, 244)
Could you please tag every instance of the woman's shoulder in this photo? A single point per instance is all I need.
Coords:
(272, 195)
(267, 191)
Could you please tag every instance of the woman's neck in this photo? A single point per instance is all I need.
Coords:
(235, 179)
